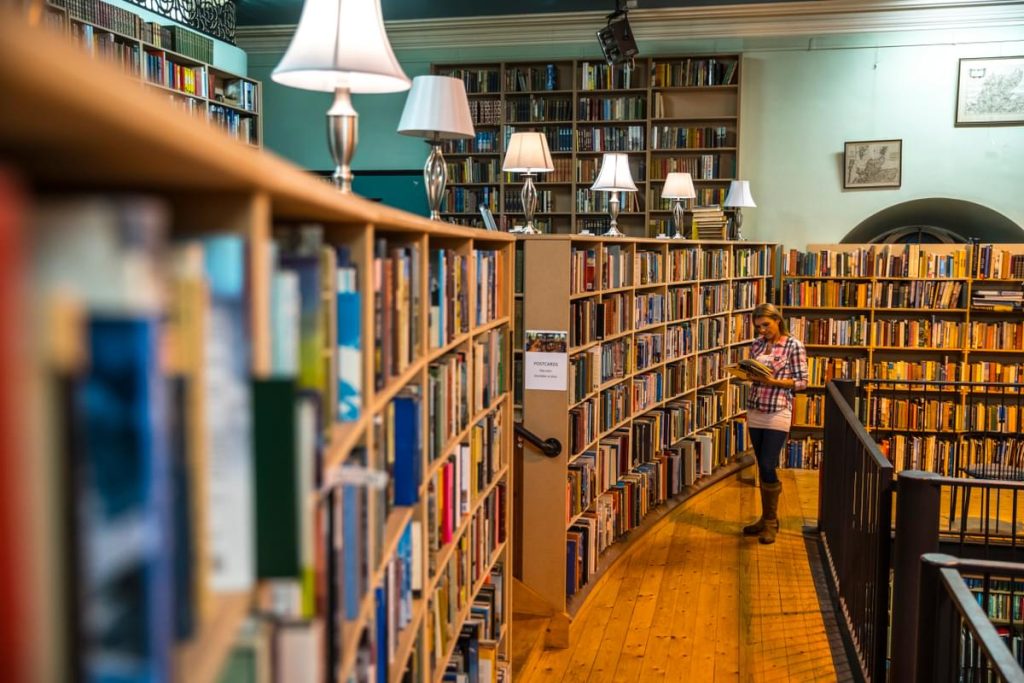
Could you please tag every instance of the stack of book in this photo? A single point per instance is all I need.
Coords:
(709, 223)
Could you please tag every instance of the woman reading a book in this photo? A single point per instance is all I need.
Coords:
(780, 370)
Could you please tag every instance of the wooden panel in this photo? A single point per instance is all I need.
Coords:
(546, 281)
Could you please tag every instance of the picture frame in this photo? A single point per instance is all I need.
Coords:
(990, 91)
(872, 164)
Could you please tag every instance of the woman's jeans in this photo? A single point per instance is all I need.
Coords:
(768, 445)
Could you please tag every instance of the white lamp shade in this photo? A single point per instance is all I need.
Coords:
(528, 153)
(678, 186)
(341, 44)
(437, 106)
(739, 194)
(615, 175)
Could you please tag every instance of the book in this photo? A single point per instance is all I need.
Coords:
(749, 369)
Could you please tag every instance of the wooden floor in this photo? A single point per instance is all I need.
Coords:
(696, 601)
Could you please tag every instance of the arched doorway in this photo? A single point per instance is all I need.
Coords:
(935, 220)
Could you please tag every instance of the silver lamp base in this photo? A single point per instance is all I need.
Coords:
(613, 211)
(435, 178)
(342, 137)
(528, 196)
(738, 221)
(678, 218)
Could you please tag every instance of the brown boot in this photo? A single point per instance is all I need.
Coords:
(770, 505)
(758, 526)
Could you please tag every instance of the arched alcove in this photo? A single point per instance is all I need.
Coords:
(937, 219)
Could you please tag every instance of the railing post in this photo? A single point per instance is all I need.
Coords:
(831, 430)
(928, 629)
(917, 533)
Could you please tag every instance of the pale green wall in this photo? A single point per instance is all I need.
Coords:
(801, 100)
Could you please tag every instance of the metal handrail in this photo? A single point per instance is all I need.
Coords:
(944, 573)
(550, 447)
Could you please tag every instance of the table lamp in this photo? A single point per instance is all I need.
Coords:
(614, 177)
(436, 109)
(738, 197)
(341, 46)
(528, 154)
(678, 186)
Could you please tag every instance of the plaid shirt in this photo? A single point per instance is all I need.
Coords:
(788, 360)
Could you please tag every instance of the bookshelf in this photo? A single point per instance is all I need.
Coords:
(667, 113)
(167, 59)
(648, 411)
(260, 274)
(916, 312)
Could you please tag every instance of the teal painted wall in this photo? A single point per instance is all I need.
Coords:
(801, 99)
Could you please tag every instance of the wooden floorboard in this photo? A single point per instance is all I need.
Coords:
(694, 600)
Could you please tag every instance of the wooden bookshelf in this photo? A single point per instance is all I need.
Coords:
(686, 310)
(666, 113)
(189, 82)
(899, 312)
(106, 138)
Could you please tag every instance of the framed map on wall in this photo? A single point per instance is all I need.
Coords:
(990, 91)
(873, 163)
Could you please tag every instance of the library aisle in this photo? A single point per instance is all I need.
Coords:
(696, 601)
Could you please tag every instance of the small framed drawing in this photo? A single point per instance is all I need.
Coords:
(873, 163)
(990, 91)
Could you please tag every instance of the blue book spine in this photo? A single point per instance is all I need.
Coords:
(124, 504)
(407, 450)
(382, 634)
(351, 553)
(350, 333)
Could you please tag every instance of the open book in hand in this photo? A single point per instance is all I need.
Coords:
(750, 370)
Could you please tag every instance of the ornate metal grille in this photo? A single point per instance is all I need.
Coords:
(216, 18)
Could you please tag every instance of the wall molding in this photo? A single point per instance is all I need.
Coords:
(809, 18)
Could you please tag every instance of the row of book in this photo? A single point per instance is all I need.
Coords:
(805, 453)
(879, 261)
(484, 141)
(648, 309)
(107, 47)
(610, 139)
(485, 112)
(700, 167)
(918, 294)
(589, 201)
(537, 109)
(949, 455)
(991, 263)
(545, 202)
(469, 199)
(237, 125)
(470, 170)
(477, 80)
(618, 108)
(667, 137)
(591, 320)
(715, 299)
(527, 78)
(601, 76)
(693, 72)
(680, 303)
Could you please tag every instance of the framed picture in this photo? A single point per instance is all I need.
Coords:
(990, 91)
(873, 163)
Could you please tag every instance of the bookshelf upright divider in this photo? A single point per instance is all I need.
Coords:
(648, 411)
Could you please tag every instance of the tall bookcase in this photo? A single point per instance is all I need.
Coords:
(648, 409)
(666, 113)
(915, 312)
(369, 535)
(167, 59)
